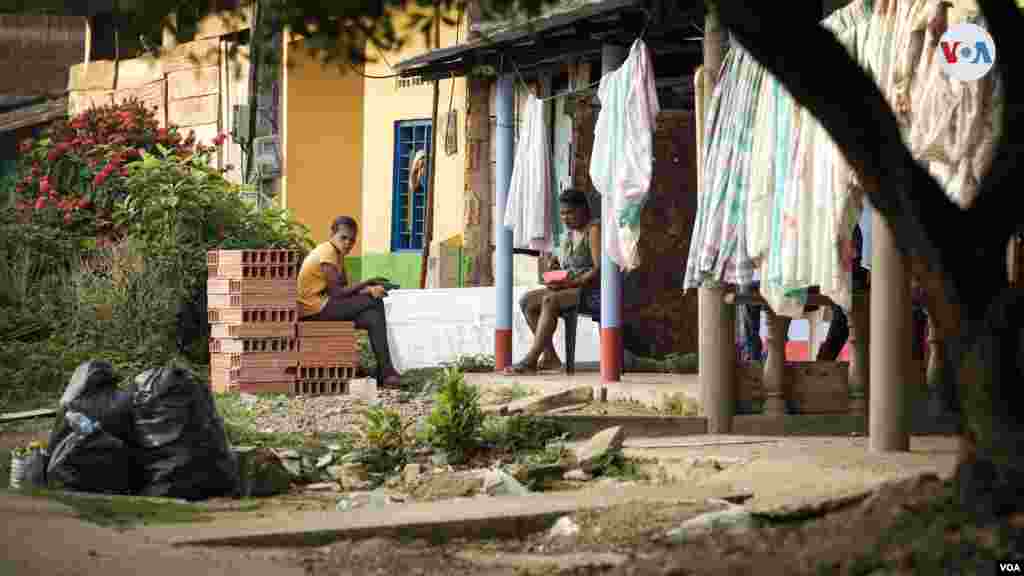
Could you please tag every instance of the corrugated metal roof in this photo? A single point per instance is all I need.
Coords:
(517, 34)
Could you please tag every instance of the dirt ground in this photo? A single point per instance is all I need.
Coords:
(900, 528)
(909, 526)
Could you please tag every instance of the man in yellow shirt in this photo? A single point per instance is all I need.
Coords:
(325, 294)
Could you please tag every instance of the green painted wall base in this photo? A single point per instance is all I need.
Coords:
(402, 268)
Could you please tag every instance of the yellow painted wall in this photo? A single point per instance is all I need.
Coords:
(384, 104)
(323, 142)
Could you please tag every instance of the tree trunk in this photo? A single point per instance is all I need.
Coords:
(991, 371)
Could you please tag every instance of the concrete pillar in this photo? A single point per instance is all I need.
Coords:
(505, 154)
(611, 277)
(773, 384)
(716, 355)
(890, 345)
(859, 359)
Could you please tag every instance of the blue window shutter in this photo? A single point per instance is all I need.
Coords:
(411, 136)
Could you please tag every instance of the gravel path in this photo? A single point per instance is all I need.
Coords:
(330, 414)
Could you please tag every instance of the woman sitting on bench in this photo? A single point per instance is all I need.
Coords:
(324, 294)
(581, 258)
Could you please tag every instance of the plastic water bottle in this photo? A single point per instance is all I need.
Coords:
(81, 423)
(370, 391)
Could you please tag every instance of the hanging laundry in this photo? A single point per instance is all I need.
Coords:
(952, 123)
(776, 192)
(622, 159)
(718, 250)
(528, 209)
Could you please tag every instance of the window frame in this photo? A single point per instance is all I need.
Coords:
(400, 165)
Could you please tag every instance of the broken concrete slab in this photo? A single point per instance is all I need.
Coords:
(584, 426)
(731, 518)
(482, 518)
(498, 483)
(589, 454)
(547, 402)
(565, 409)
(29, 415)
(351, 475)
(565, 527)
(577, 475)
(446, 485)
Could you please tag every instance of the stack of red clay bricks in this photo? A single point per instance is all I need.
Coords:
(256, 342)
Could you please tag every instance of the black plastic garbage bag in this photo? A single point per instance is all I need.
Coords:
(93, 391)
(183, 448)
(89, 459)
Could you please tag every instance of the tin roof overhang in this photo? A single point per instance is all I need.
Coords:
(572, 33)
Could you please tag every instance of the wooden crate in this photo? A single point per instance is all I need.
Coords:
(252, 345)
(817, 387)
(326, 329)
(252, 330)
(279, 300)
(253, 315)
(320, 387)
(251, 286)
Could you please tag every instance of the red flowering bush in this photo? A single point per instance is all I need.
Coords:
(75, 174)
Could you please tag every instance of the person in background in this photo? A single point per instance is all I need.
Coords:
(581, 257)
(324, 294)
(748, 333)
(839, 327)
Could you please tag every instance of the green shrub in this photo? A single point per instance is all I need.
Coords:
(108, 236)
(456, 421)
(468, 363)
(383, 429)
(520, 433)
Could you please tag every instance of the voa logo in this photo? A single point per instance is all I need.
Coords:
(1008, 567)
(967, 52)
